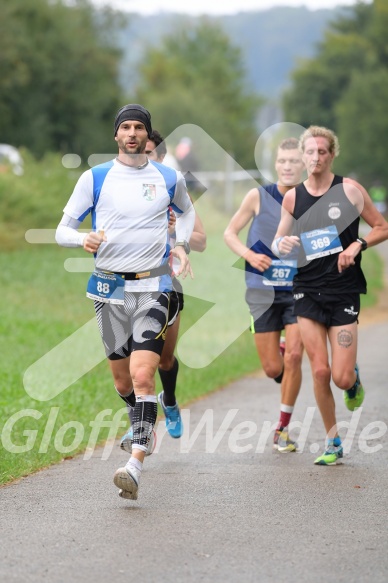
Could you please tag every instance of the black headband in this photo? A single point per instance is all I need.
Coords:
(134, 111)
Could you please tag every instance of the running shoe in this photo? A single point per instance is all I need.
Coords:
(354, 397)
(126, 495)
(174, 423)
(127, 479)
(331, 456)
(283, 443)
(127, 439)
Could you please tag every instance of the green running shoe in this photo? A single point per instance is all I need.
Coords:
(331, 456)
(354, 397)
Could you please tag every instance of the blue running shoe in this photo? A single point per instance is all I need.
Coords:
(354, 397)
(173, 418)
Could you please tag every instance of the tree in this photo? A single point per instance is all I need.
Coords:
(318, 83)
(196, 76)
(363, 126)
(345, 87)
(59, 87)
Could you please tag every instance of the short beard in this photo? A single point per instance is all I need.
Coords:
(132, 154)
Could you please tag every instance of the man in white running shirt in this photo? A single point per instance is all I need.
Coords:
(129, 199)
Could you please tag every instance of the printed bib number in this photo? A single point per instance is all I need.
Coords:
(321, 242)
(280, 273)
(106, 287)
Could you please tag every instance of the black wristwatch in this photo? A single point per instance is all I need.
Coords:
(185, 246)
(363, 243)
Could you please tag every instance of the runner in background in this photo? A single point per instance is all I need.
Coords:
(266, 275)
(156, 150)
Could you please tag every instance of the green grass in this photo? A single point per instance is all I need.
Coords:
(35, 199)
(43, 304)
(373, 268)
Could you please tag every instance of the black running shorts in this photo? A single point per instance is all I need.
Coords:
(330, 310)
(176, 301)
(269, 312)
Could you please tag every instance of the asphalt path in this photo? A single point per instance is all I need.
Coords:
(219, 504)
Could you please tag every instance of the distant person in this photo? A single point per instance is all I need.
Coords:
(261, 208)
(156, 149)
(188, 164)
(168, 365)
(321, 218)
(129, 199)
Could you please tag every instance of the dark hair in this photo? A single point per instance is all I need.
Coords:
(289, 144)
(159, 142)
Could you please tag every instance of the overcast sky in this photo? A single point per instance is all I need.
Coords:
(207, 7)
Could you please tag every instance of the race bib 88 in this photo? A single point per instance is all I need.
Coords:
(106, 287)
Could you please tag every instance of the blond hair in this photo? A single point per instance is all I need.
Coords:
(320, 132)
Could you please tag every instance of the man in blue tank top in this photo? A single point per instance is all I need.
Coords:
(320, 218)
(269, 284)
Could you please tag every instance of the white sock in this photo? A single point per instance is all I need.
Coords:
(286, 408)
(133, 461)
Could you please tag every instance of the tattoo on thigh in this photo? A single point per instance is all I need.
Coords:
(345, 338)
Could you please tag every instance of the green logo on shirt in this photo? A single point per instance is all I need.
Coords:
(149, 191)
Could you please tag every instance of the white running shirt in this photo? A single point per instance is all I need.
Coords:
(131, 206)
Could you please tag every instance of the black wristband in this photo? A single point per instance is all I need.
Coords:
(183, 244)
(363, 243)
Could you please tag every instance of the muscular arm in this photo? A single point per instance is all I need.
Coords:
(360, 197)
(249, 208)
(379, 226)
(283, 242)
(198, 237)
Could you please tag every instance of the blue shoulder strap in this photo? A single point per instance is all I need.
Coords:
(99, 174)
(169, 175)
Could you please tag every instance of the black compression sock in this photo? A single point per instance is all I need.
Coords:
(144, 418)
(168, 378)
(279, 378)
(129, 399)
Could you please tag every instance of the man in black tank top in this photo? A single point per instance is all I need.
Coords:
(321, 218)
